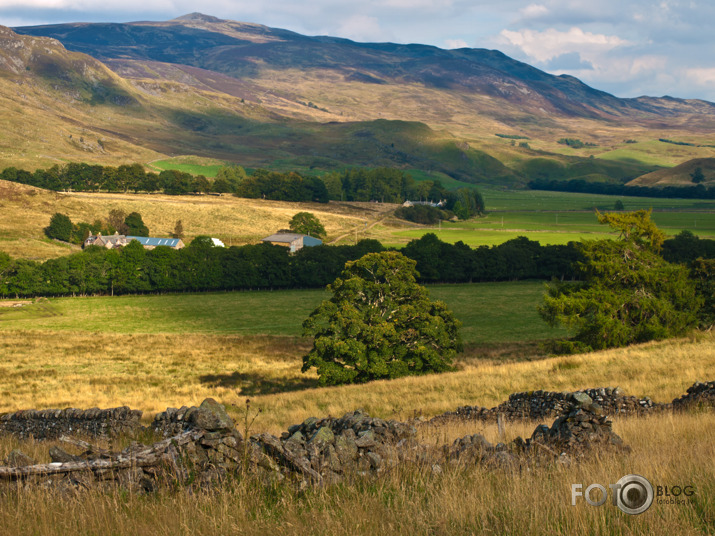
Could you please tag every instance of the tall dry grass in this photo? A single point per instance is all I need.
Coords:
(411, 500)
(154, 371)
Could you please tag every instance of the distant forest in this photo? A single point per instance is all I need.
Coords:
(386, 185)
(581, 186)
(203, 267)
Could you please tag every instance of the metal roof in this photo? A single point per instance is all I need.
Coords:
(282, 237)
(288, 238)
(148, 241)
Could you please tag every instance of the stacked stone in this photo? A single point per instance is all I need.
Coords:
(540, 405)
(328, 449)
(53, 423)
(208, 447)
(173, 421)
(615, 402)
(582, 428)
(210, 450)
(475, 449)
(698, 395)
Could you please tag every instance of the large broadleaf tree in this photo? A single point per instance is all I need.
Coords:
(378, 324)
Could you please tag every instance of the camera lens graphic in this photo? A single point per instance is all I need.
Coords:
(634, 494)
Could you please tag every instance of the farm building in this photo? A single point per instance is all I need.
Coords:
(117, 241)
(294, 241)
(409, 203)
(110, 242)
(151, 243)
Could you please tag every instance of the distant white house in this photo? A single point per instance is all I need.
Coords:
(294, 241)
(218, 243)
(409, 203)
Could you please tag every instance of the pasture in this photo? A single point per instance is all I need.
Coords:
(196, 165)
(154, 352)
(150, 352)
(153, 371)
(487, 311)
(548, 217)
(559, 218)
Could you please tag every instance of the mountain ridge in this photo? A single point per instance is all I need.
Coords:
(237, 43)
(262, 96)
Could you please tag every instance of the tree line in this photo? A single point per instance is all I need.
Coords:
(581, 186)
(358, 184)
(202, 267)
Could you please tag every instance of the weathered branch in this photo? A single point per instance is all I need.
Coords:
(147, 457)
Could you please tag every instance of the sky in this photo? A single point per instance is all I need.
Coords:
(626, 47)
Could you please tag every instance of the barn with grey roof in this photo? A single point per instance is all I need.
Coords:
(294, 241)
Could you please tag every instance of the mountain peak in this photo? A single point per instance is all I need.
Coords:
(198, 17)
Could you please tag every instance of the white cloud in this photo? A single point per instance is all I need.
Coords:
(543, 46)
(533, 11)
(417, 4)
(456, 43)
(704, 76)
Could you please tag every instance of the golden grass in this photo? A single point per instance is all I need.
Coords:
(147, 372)
(26, 211)
(153, 372)
(668, 450)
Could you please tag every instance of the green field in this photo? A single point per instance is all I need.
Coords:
(479, 237)
(537, 200)
(561, 217)
(194, 165)
(491, 312)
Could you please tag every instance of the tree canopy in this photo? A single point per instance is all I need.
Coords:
(307, 223)
(60, 227)
(379, 323)
(628, 294)
(135, 225)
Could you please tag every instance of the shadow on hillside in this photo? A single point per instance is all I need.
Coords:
(251, 384)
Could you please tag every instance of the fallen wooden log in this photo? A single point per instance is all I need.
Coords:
(147, 457)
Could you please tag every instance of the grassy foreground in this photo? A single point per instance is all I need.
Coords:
(154, 371)
(459, 500)
(412, 500)
(85, 362)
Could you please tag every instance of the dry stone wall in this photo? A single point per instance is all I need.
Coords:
(203, 446)
(698, 395)
(540, 405)
(54, 423)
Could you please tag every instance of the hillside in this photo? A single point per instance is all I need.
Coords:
(680, 175)
(251, 52)
(266, 97)
(235, 221)
(56, 104)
